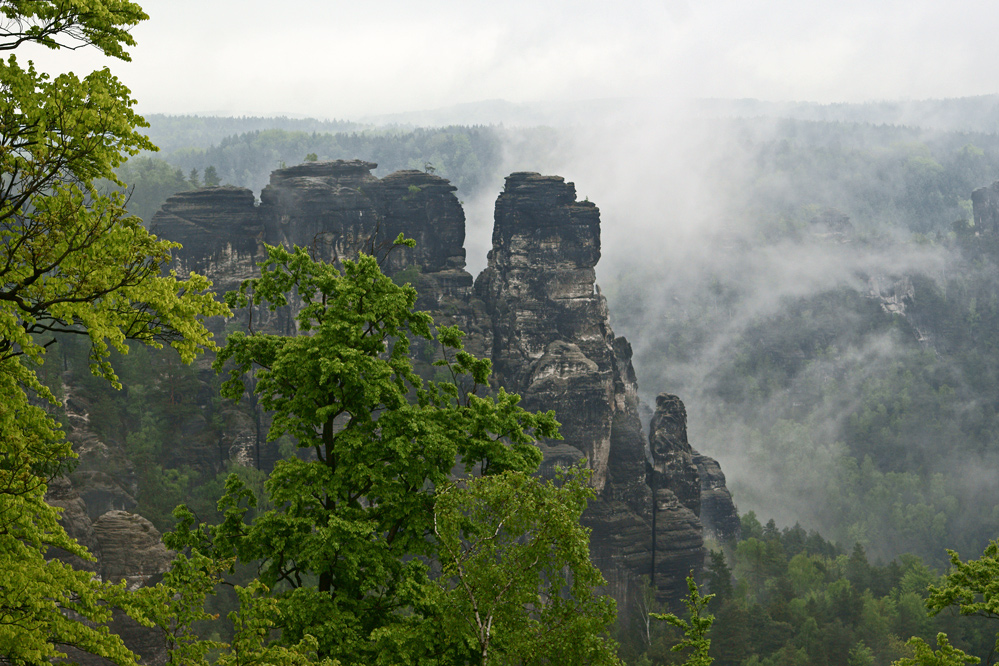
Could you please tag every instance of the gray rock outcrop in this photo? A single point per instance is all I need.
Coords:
(672, 466)
(535, 311)
(718, 513)
(128, 548)
(131, 549)
(985, 209)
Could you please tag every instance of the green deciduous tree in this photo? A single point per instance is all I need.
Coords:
(925, 655)
(36, 593)
(347, 547)
(71, 261)
(972, 586)
(517, 584)
(71, 258)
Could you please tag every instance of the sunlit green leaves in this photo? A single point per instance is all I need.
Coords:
(516, 582)
(347, 546)
(71, 261)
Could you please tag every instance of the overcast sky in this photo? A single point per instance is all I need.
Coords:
(344, 60)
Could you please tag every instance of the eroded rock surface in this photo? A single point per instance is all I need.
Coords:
(985, 208)
(672, 463)
(553, 344)
(131, 548)
(535, 311)
(128, 548)
(718, 513)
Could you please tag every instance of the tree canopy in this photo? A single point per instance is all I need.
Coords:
(368, 511)
(72, 261)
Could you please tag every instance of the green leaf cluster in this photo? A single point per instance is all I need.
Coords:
(371, 549)
(516, 583)
(695, 629)
(37, 594)
(72, 262)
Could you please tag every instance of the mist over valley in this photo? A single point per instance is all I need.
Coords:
(814, 290)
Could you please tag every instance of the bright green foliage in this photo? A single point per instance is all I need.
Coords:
(70, 24)
(33, 591)
(177, 603)
(71, 260)
(924, 655)
(695, 631)
(256, 618)
(972, 586)
(517, 584)
(358, 503)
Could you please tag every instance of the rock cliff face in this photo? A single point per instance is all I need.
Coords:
(222, 223)
(128, 548)
(718, 512)
(551, 340)
(535, 311)
(553, 344)
(672, 468)
(985, 208)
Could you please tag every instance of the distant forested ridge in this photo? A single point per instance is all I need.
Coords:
(244, 152)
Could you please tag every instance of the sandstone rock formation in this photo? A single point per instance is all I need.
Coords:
(131, 549)
(553, 344)
(718, 513)
(672, 467)
(128, 548)
(535, 311)
(985, 208)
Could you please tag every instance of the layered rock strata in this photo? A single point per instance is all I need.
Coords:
(695, 481)
(672, 468)
(718, 512)
(535, 311)
(335, 210)
(553, 344)
(128, 548)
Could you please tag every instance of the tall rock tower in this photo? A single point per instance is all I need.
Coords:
(553, 344)
(535, 311)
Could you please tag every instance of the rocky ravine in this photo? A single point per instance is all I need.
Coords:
(535, 311)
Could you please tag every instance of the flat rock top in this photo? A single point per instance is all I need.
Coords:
(226, 193)
(525, 189)
(334, 168)
(413, 177)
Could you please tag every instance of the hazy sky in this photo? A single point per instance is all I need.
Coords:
(344, 60)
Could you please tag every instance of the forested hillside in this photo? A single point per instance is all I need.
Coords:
(830, 321)
(836, 339)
